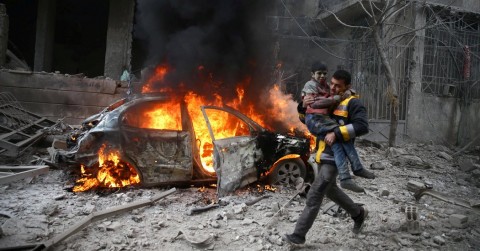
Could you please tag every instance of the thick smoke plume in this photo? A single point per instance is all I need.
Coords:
(210, 46)
(213, 47)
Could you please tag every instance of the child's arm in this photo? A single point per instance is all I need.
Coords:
(327, 102)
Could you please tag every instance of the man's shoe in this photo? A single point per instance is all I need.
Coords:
(364, 173)
(294, 239)
(350, 185)
(359, 221)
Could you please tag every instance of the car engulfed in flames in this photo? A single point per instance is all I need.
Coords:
(152, 140)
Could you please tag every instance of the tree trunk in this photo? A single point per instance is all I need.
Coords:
(392, 86)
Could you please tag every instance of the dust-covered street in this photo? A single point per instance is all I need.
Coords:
(34, 211)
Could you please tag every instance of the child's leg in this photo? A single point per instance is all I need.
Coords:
(343, 172)
(352, 156)
(357, 166)
(319, 124)
(341, 161)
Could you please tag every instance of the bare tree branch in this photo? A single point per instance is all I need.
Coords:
(376, 7)
(427, 26)
(372, 11)
(306, 34)
(386, 17)
(406, 46)
(366, 11)
(344, 24)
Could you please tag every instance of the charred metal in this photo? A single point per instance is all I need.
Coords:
(173, 156)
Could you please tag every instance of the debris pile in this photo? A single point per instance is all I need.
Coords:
(420, 200)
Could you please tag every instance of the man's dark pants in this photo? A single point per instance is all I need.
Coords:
(324, 184)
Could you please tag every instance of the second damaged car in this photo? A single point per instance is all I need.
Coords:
(160, 140)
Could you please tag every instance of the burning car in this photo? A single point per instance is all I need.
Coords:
(152, 140)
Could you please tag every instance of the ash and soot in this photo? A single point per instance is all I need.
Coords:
(204, 53)
(217, 52)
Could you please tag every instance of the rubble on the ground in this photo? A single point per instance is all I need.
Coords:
(34, 211)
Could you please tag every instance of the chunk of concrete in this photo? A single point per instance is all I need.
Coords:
(439, 240)
(445, 156)
(395, 152)
(380, 165)
(466, 164)
(414, 186)
(384, 192)
(411, 161)
(458, 220)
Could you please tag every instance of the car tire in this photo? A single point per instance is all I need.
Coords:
(287, 172)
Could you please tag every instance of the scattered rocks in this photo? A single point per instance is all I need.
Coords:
(247, 221)
(445, 156)
(426, 235)
(384, 192)
(380, 165)
(241, 227)
(466, 164)
(114, 226)
(60, 197)
(439, 240)
(458, 220)
(238, 209)
(411, 161)
(214, 224)
(395, 152)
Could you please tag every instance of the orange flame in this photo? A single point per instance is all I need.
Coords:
(112, 172)
(159, 75)
(162, 117)
(194, 102)
(288, 112)
(223, 124)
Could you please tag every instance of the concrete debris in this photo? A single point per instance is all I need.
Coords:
(253, 201)
(196, 240)
(458, 220)
(467, 164)
(439, 240)
(384, 192)
(445, 156)
(414, 186)
(60, 197)
(475, 203)
(395, 152)
(100, 215)
(380, 165)
(197, 210)
(411, 161)
(332, 209)
(41, 211)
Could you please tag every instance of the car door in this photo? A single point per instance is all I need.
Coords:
(162, 153)
(235, 148)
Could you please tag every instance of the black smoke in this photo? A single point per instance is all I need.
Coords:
(229, 38)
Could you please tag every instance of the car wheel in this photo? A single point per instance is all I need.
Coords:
(287, 172)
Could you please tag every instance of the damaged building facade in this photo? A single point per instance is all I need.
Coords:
(67, 58)
(432, 47)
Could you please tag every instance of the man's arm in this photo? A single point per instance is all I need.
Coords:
(357, 122)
